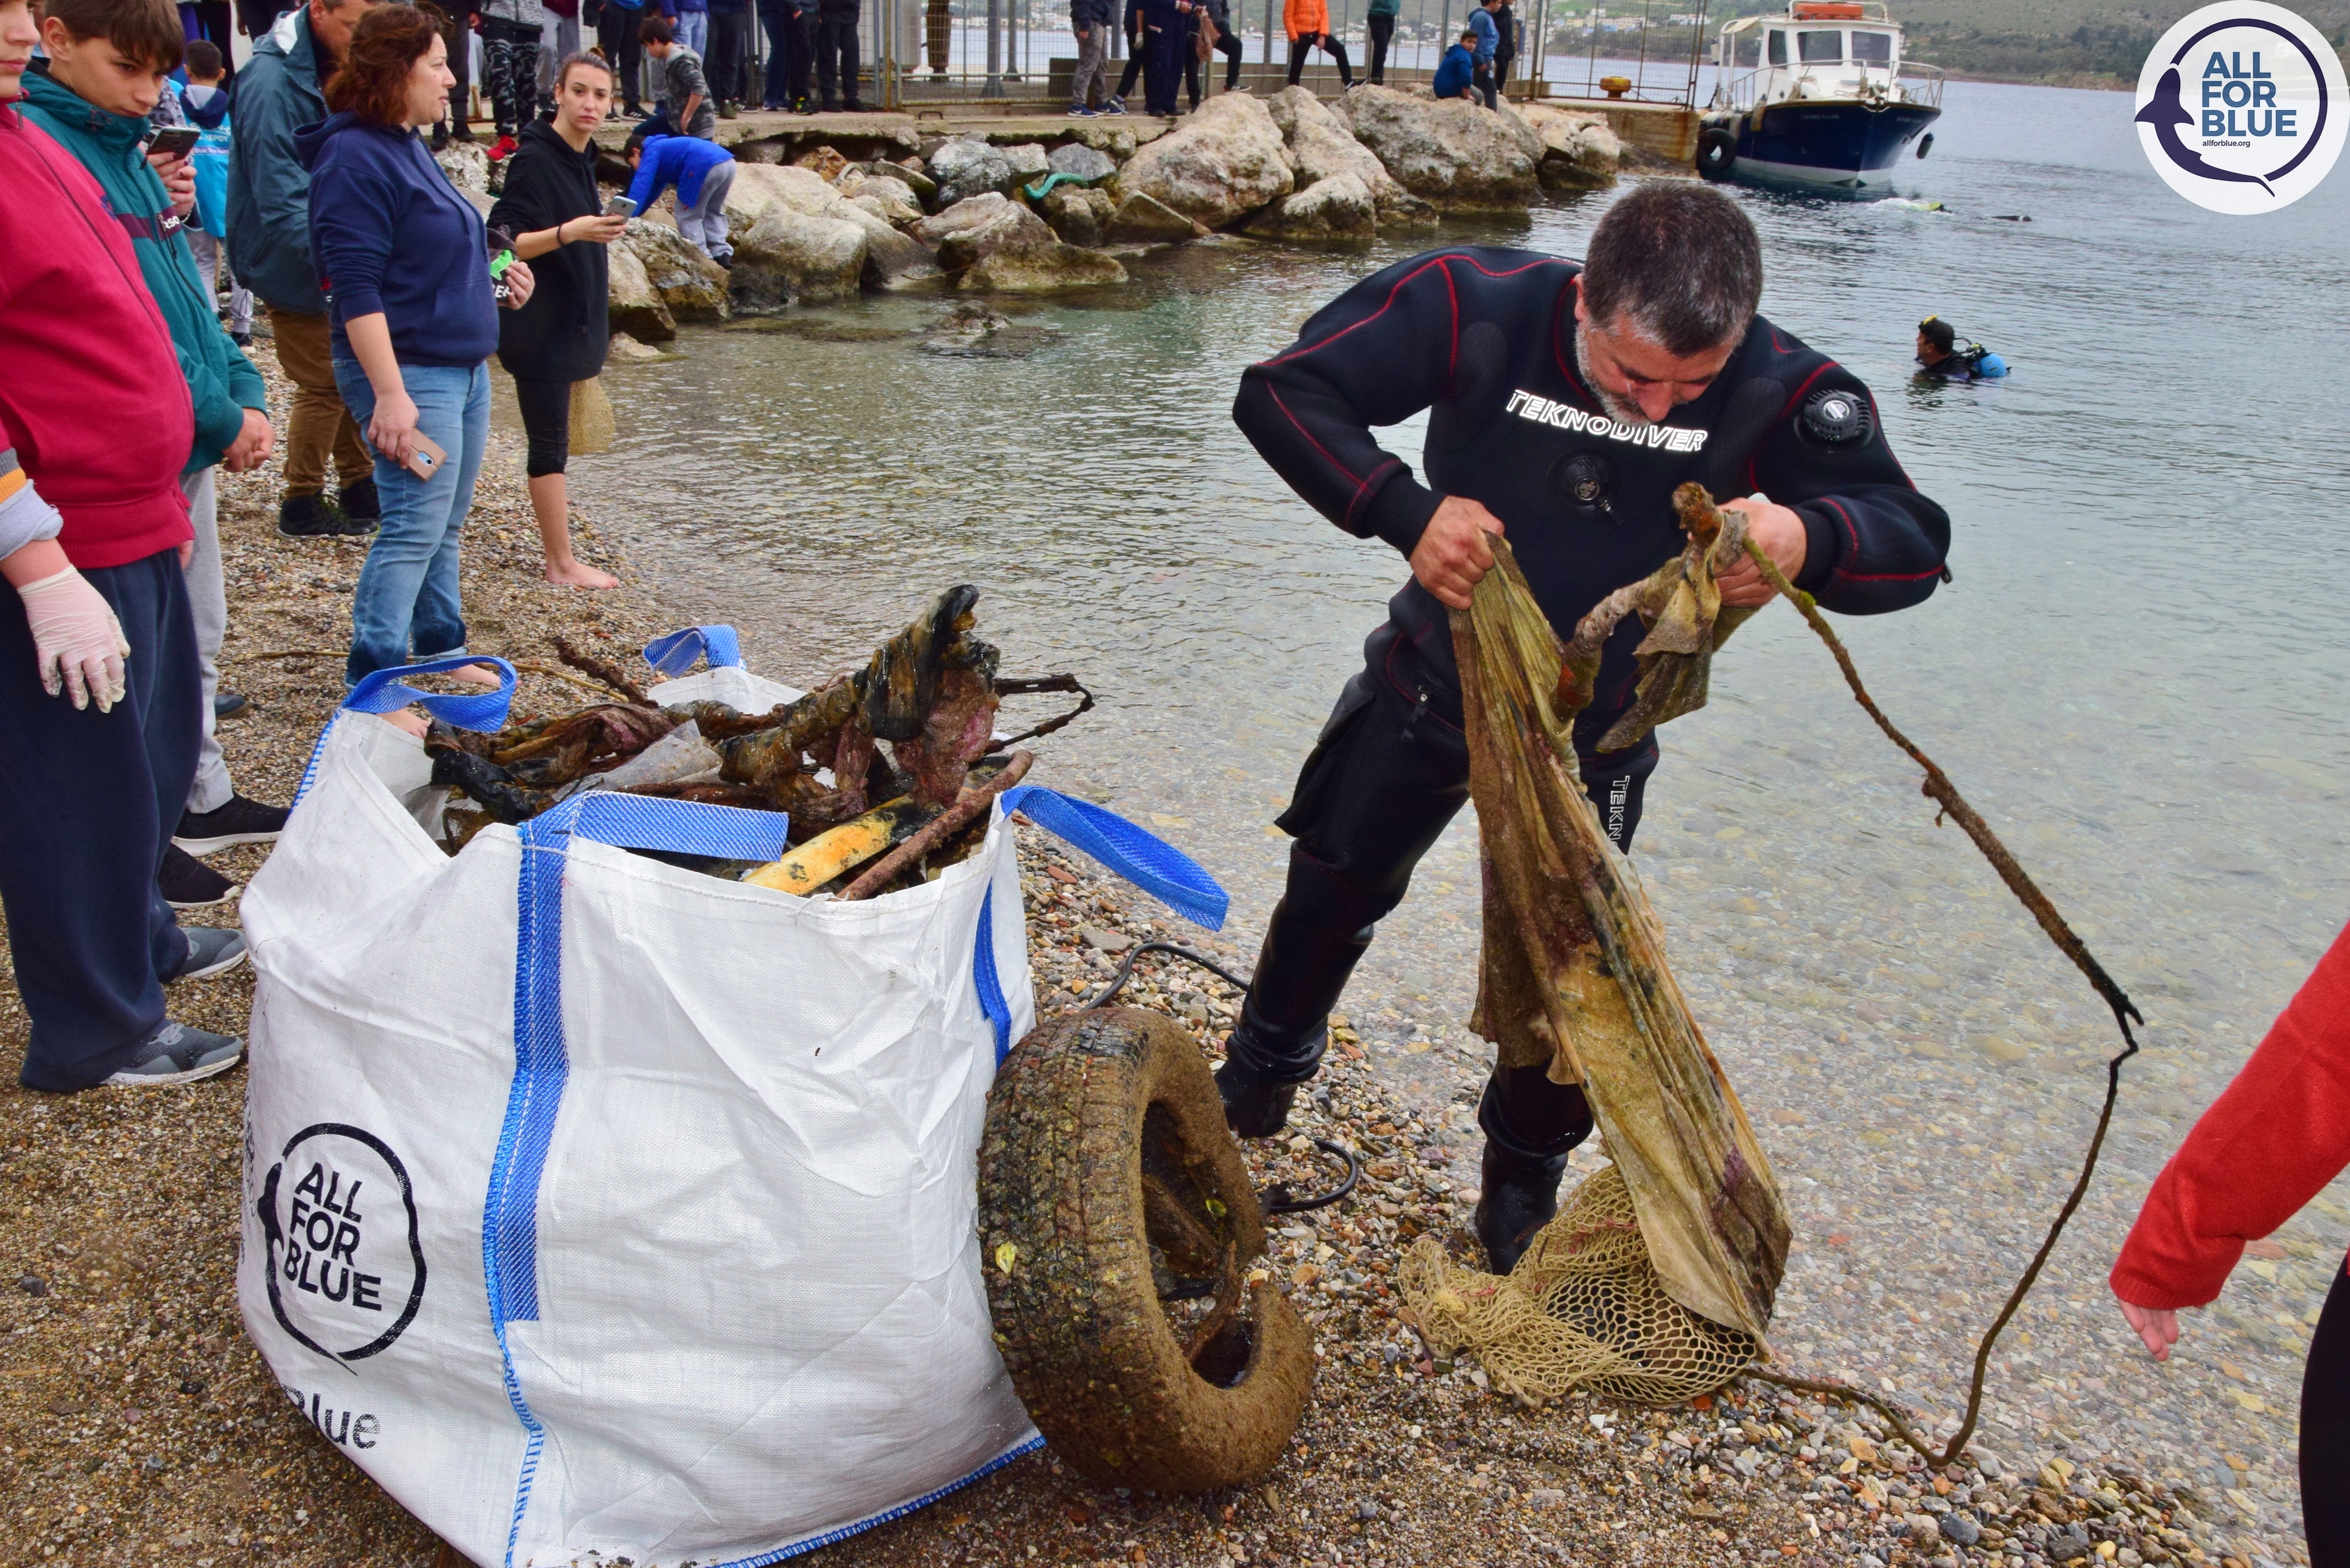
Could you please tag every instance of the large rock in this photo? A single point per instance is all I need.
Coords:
(791, 258)
(1086, 165)
(893, 259)
(1456, 154)
(1338, 208)
(759, 186)
(977, 226)
(691, 285)
(1116, 139)
(1027, 160)
(1042, 268)
(965, 169)
(467, 164)
(1078, 216)
(1141, 220)
(825, 161)
(1226, 161)
(1322, 148)
(1579, 151)
(635, 307)
(891, 197)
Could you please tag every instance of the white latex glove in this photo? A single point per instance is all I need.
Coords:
(77, 645)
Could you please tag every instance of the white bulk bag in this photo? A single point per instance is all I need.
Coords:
(600, 1209)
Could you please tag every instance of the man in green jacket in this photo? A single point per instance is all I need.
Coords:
(279, 91)
(104, 73)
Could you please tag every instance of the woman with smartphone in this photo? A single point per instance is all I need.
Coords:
(551, 207)
(406, 266)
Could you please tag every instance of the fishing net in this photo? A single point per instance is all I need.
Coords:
(1583, 1308)
(1656, 1282)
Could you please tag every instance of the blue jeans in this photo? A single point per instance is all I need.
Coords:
(405, 609)
(693, 32)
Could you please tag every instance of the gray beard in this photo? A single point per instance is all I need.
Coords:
(1616, 408)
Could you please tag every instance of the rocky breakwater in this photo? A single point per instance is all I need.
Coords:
(990, 215)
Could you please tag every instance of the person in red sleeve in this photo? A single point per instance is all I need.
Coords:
(2266, 1146)
(99, 682)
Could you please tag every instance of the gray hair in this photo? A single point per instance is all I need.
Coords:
(1679, 262)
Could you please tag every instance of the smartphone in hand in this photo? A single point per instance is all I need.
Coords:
(425, 458)
(173, 141)
(619, 207)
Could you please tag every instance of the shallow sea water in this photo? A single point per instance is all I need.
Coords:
(2138, 677)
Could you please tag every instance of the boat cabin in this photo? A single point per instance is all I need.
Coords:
(1833, 50)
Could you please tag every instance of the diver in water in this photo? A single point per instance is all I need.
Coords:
(1939, 356)
(1567, 402)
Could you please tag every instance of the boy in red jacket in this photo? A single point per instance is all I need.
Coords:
(98, 683)
(2266, 1146)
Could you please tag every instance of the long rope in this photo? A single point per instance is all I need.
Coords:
(1938, 788)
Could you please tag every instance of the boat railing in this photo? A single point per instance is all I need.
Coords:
(1911, 82)
(1920, 84)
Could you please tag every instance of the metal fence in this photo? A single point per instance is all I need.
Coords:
(953, 51)
(914, 53)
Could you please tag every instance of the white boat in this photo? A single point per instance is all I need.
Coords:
(1816, 96)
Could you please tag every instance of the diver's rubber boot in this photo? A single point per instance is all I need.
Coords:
(1519, 1175)
(1254, 1107)
(1284, 1020)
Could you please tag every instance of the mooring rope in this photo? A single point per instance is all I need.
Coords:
(1938, 788)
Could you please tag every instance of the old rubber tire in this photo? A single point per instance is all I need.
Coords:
(1107, 1177)
(1717, 149)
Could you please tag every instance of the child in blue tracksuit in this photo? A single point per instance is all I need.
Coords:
(702, 173)
(205, 104)
(1456, 74)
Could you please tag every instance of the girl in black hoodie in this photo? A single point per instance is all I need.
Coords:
(555, 213)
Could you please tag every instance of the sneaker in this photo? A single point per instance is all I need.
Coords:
(359, 501)
(212, 950)
(855, 107)
(241, 821)
(501, 149)
(463, 133)
(309, 517)
(176, 1053)
(1115, 106)
(728, 112)
(187, 883)
(1079, 111)
(242, 339)
(230, 705)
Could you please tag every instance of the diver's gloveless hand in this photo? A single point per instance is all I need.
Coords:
(1453, 554)
(77, 645)
(1780, 534)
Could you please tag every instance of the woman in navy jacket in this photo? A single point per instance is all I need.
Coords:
(404, 261)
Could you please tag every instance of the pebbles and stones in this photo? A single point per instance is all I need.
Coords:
(124, 1208)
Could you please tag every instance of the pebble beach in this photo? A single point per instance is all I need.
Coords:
(140, 1427)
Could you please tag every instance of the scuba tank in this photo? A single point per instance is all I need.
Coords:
(1980, 363)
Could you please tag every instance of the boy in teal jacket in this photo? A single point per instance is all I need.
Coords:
(107, 60)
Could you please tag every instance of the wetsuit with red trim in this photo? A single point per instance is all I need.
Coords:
(1484, 338)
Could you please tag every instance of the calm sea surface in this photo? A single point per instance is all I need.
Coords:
(2139, 675)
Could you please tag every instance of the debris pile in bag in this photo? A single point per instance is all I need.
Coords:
(885, 773)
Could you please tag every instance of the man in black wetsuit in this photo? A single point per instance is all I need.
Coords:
(1567, 403)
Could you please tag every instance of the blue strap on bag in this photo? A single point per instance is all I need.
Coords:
(674, 655)
(1142, 857)
(542, 1065)
(384, 691)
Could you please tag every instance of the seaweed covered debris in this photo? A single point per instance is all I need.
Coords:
(884, 749)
